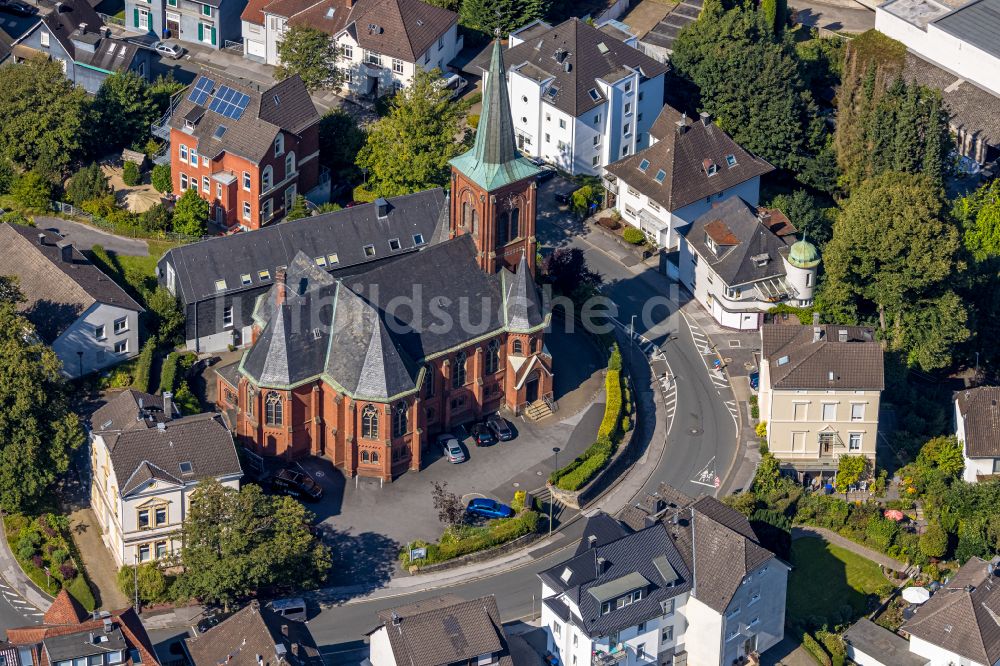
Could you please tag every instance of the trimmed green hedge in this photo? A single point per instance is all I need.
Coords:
(459, 541)
(815, 650)
(633, 236)
(176, 362)
(613, 406)
(144, 365)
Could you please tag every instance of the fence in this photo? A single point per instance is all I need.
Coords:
(230, 45)
(120, 228)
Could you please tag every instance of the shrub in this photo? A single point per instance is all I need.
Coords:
(161, 179)
(32, 191)
(459, 541)
(80, 590)
(626, 424)
(175, 362)
(834, 645)
(131, 174)
(613, 406)
(364, 195)
(144, 366)
(86, 184)
(186, 400)
(58, 556)
(584, 472)
(473, 120)
(67, 571)
(633, 236)
(761, 430)
(152, 582)
(934, 542)
(815, 649)
(156, 218)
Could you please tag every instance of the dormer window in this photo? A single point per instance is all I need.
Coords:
(711, 168)
(712, 245)
(760, 260)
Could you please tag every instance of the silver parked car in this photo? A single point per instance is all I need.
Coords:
(451, 448)
(169, 50)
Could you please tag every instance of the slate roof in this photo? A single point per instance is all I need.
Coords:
(683, 158)
(140, 449)
(89, 47)
(445, 630)
(980, 409)
(741, 235)
(56, 293)
(977, 23)
(344, 233)
(253, 632)
(962, 617)
(284, 106)
(856, 364)
(524, 308)
(885, 646)
(127, 627)
(587, 62)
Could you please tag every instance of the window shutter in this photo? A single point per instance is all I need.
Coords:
(135, 15)
(213, 35)
(201, 32)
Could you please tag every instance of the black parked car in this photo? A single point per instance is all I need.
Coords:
(297, 484)
(482, 435)
(500, 428)
(17, 8)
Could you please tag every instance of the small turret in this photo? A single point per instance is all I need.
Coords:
(801, 270)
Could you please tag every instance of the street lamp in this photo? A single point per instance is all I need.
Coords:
(135, 582)
(552, 500)
(631, 340)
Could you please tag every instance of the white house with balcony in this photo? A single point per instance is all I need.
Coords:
(581, 96)
(687, 582)
(739, 261)
(690, 166)
(381, 43)
(146, 460)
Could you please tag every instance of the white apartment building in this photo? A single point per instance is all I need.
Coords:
(689, 166)
(977, 427)
(666, 588)
(740, 260)
(581, 96)
(382, 43)
(146, 461)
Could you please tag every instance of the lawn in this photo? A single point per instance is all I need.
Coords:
(829, 585)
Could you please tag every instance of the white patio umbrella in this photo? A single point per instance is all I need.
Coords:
(916, 595)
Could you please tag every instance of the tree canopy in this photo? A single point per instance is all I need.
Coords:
(42, 116)
(236, 542)
(124, 110)
(892, 260)
(310, 53)
(191, 214)
(86, 184)
(340, 139)
(38, 432)
(408, 150)
(500, 16)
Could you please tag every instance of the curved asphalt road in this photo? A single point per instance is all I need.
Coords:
(702, 437)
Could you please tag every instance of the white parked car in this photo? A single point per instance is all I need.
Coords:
(453, 82)
(169, 49)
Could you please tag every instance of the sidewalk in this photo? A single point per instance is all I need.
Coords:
(805, 532)
(101, 568)
(13, 576)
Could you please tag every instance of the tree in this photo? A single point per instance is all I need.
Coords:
(131, 175)
(449, 506)
(943, 453)
(152, 582)
(191, 214)
(340, 140)
(298, 210)
(124, 111)
(892, 260)
(86, 184)
(156, 218)
(236, 542)
(162, 89)
(310, 53)
(850, 470)
(501, 16)
(38, 432)
(749, 81)
(768, 473)
(979, 214)
(7, 175)
(806, 214)
(167, 313)
(934, 542)
(161, 179)
(42, 116)
(569, 274)
(33, 191)
(408, 150)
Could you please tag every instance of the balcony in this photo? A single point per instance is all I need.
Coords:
(616, 656)
(610, 184)
(371, 69)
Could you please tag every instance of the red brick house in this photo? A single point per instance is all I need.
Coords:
(364, 370)
(247, 150)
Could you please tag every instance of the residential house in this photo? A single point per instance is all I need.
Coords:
(868, 644)
(206, 23)
(690, 165)
(219, 280)
(820, 387)
(247, 149)
(254, 636)
(87, 319)
(953, 47)
(740, 260)
(581, 96)
(674, 581)
(446, 630)
(977, 427)
(381, 43)
(73, 34)
(146, 461)
(69, 635)
(338, 369)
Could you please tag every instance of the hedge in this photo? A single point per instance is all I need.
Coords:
(815, 650)
(456, 542)
(633, 236)
(176, 361)
(612, 406)
(144, 366)
(834, 644)
(80, 590)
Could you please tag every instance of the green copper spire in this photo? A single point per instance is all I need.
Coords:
(493, 161)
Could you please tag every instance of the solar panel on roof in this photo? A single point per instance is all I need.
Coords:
(229, 103)
(202, 89)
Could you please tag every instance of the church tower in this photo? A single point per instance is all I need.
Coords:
(493, 187)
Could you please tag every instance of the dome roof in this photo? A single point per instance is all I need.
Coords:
(803, 254)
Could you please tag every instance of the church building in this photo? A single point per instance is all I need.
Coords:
(365, 369)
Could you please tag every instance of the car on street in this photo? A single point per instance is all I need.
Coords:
(547, 172)
(754, 380)
(482, 435)
(500, 428)
(487, 508)
(290, 609)
(451, 448)
(17, 8)
(296, 483)
(169, 49)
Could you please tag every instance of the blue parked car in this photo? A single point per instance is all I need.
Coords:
(488, 508)
(755, 380)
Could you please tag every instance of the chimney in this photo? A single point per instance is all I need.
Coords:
(284, 630)
(591, 541)
(108, 625)
(295, 649)
(41, 239)
(168, 405)
(65, 252)
(396, 619)
(815, 319)
(842, 335)
(817, 333)
(83, 28)
(279, 281)
(706, 119)
(601, 563)
(382, 208)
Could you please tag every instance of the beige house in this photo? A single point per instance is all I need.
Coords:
(146, 461)
(820, 387)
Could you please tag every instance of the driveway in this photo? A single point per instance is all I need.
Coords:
(839, 16)
(85, 237)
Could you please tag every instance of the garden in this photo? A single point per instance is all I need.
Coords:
(48, 556)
